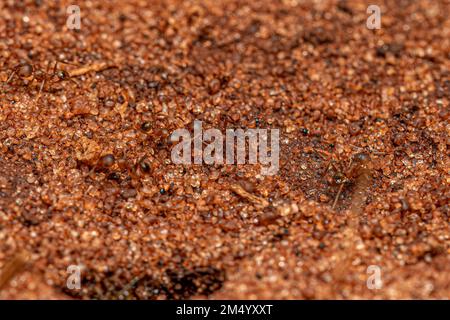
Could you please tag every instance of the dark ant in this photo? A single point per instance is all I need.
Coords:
(26, 72)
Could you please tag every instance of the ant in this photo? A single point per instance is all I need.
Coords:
(358, 171)
(26, 72)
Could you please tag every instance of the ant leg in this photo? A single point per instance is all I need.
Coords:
(342, 185)
(327, 167)
(40, 89)
(337, 196)
(11, 76)
(54, 73)
(54, 68)
(43, 82)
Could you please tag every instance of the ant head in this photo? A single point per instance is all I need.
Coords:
(61, 74)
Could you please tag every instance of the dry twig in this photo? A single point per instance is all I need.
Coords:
(97, 66)
(239, 190)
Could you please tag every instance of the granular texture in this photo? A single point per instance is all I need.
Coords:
(86, 176)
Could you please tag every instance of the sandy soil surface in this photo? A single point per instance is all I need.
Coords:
(86, 176)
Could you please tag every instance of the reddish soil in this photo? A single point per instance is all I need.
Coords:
(86, 176)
